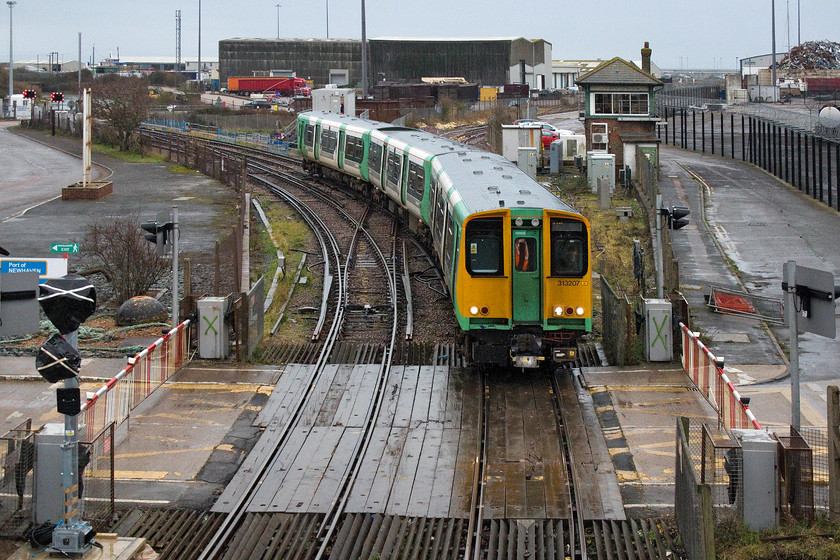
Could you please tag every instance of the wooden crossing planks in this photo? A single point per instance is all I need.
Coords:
(599, 496)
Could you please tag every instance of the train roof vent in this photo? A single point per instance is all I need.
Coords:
(524, 192)
(485, 157)
(466, 160)
(507, 177)
(501, 204)
(478, 172)
(498, 168)
(494, 189)
(520, 202)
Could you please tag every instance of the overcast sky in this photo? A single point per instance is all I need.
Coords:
(682, 33)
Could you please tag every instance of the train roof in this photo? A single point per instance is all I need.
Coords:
(488, 181)
(484, 180)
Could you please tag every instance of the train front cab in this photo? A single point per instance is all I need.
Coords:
(523, 287)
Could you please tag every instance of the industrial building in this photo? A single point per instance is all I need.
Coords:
(484, 61)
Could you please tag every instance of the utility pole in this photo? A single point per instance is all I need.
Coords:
(773, 27)
(278, 19)
(200, 83)
(80, 62)
(364, 55)
(177, 40)
(11, 4)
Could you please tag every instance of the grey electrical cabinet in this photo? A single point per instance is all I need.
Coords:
(47, 490)
(556, 156)
(759, 478)
(600, 164)
(659, 345)
(213, 340)
(527, 161)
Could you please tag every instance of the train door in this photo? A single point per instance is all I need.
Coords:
(526, 284)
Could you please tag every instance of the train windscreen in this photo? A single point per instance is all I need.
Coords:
(568, 248)
(484, 244)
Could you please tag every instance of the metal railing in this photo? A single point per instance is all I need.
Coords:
(706, 371)
(145, 372)
(17, 455)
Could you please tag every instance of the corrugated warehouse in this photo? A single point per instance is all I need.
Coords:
(488, 62)
(311, 59)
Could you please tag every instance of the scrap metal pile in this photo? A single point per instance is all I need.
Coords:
(813, 55)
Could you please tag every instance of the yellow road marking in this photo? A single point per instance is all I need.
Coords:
(156, 453)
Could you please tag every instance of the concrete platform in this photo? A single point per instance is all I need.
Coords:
(638, 410)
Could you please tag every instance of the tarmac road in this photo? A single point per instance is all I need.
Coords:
(745, 225)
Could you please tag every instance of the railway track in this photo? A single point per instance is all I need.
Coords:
(503, 457)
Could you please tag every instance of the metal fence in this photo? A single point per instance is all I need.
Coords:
(806, 158)
(616, 325)
(817, 440)
(96, 483)
(17, 458)
(692, 498)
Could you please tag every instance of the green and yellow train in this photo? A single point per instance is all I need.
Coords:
(516, 259)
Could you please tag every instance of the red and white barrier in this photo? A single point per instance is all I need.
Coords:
(706, 371)
(145, 372)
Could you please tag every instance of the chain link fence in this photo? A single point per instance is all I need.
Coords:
(96, 483)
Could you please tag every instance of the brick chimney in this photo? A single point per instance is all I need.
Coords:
(646, 57)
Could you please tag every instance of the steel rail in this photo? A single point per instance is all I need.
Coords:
(476, 521)
(232, 520)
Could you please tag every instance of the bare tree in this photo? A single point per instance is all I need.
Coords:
(123, 102)
(123, 256)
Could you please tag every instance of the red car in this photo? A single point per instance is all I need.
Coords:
(548, 136)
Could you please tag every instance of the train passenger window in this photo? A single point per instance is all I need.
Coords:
(484, 246)
(449, 245)
(394, 169)
(354, 149)
(569, 255)
(329, 141)
(525, 254)
(440, 215)
(375, 159)
(416, 180)
(309, 138)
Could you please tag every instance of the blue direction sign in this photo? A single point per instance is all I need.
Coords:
(46, 268)
(64, 248)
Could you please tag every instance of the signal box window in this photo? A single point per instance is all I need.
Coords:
(484, 246)
(569, 256)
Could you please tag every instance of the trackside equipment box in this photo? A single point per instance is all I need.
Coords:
(212, 331)
(659, 345)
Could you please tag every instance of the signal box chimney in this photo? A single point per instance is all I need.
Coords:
(646, 57)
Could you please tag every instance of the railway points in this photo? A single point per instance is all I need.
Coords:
(636, 408)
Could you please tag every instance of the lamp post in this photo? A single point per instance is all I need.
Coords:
(11, 4)
(278, 19)
(328, 18)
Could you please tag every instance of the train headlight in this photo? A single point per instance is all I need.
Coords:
(579, 310)
(518, 222)
(558, 311)
(474, 310)
(535, 222)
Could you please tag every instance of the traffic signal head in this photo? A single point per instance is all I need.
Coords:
(676, 216)
(158, 233)
(679, 217)
(57, 96)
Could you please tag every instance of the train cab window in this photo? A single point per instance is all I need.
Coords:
(329, 141)
(354, 149)
(484, 246)
(569, 256)
(416, 180)
(375, 159)
(309, 136)
(525, 254)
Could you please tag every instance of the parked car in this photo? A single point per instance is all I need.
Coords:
(548, 136)
(256, 104)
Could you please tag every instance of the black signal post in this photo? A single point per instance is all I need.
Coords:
(67, 301)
